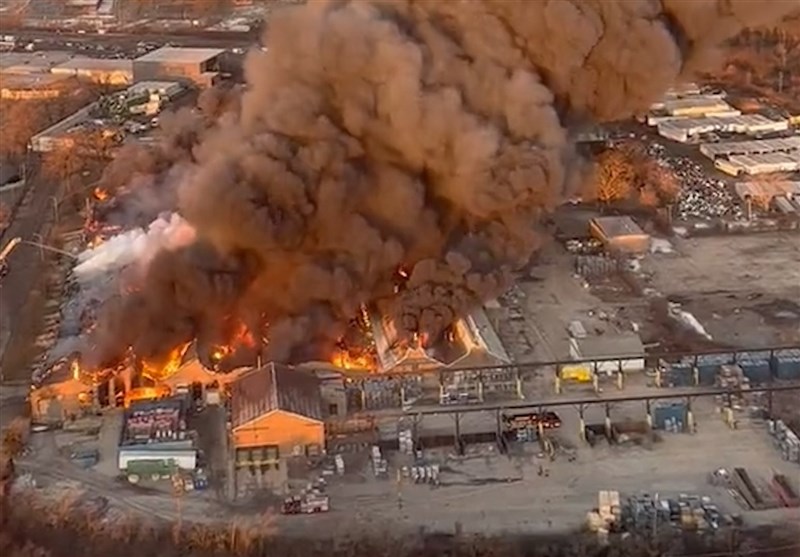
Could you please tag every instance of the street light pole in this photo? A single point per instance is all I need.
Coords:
(50, 248)
(14, 242)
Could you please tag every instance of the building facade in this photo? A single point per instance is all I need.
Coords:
(196, 65)
(276, 414)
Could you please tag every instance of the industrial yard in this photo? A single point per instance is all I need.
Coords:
(639, 375)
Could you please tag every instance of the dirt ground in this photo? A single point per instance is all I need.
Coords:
(745, 290)
(482, 491)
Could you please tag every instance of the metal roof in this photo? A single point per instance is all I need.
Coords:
(613, 227)
(746, 147)
(275, 387)
(743, 120)
(620, 345)
(483, 336)
(83, 63)
(176, 55)
(11, 81)
(24, 62)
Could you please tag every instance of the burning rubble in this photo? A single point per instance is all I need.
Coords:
(375, 136)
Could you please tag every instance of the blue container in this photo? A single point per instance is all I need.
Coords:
(708, 367)
(786, 364)
(679, 374)
(707, 375)
(757, 371)
(673, 414)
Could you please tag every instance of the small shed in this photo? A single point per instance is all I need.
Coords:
(620, 234)
(609, 353)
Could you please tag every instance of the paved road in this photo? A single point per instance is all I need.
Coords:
(209, 39)
(33, 214)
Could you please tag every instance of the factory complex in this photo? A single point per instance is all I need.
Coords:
(639, 373)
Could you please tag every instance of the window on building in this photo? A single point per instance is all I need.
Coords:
(333, 409)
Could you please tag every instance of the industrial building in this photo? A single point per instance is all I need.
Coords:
(728, 148)
(695, 106)
(107, 71)
(472, 342)
(111, 113)
(590, 349)
(33, 62)
(685, 129)
(764, 163)
(32, 86)
(64, 394)
(57, 135)
(196, 65)
(276, 413)
(155, 442)
(620, 234)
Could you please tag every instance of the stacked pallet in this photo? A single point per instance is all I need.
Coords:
(732, 378)
(785, 440)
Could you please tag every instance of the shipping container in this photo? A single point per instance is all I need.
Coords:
(183, 459)
(679, 374)
(758, 371)
(786, 364)
(670, 416)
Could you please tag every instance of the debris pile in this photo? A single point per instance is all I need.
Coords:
(700, 197)
(785, 440)
(688, 512)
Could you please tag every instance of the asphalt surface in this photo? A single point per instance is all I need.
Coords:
(25, 265)
(209, 39)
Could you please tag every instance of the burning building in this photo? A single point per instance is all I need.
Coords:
(470, 341)
(341, 162)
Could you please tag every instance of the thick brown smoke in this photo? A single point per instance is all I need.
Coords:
(377, 134)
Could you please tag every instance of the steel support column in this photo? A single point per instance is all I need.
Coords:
(458, 443)
(689, 416)
(582, 421)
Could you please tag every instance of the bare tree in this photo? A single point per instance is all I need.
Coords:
(614, 176)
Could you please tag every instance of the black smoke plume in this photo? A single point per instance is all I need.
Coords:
(379, 134)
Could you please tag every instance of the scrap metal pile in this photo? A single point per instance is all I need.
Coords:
(700, 196)
(687, 512)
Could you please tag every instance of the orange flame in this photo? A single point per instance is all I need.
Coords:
(157, 371)
(100, 194)
(241, 337)
(75, 367)
(343, 359)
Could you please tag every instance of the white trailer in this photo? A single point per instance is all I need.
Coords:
(185, 459)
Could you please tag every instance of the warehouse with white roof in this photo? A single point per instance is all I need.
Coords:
(684, 129)
(728, 148)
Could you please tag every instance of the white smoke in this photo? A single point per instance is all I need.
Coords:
(139, 246)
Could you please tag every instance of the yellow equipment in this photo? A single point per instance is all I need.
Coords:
(578, 374)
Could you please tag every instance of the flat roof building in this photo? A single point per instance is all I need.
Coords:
(696, 106)
(762, 163)
(609, 353)
(620, 234)
(32, 62)
(197, 65)
(683, 129)
(31, 86)
(728, 148)
(106, 71)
